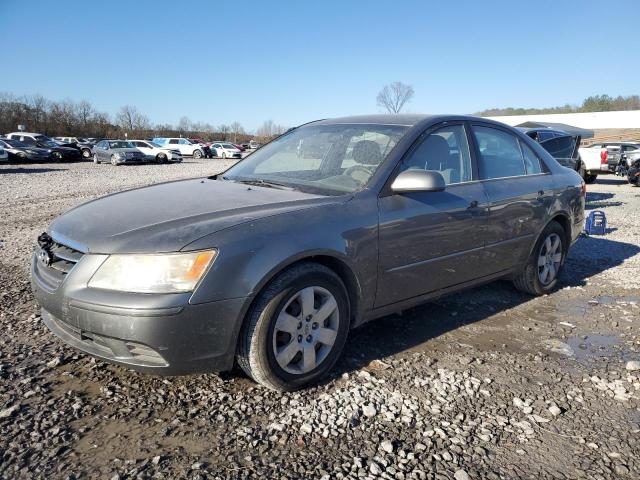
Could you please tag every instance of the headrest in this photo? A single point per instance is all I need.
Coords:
(367, 152)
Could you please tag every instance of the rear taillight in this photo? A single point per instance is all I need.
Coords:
(604, 157)
(583, 189)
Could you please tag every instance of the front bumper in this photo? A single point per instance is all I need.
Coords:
(160, 334)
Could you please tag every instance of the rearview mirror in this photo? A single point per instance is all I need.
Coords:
(418, 181)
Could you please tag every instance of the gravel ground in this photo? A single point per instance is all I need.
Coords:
(489, 383)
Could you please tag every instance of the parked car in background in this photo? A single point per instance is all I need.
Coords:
(38, 140)
(620, 155)
(633, 172)
(225, 150)
(254, 145)
(561, 145)
(157, 153)
(117, 152)
(185, 147)
(239, 147)
(598, 159)
(19, 151)
(82, 144)
(246, 146)
(271, 263)
(4, 156)
(206, 146)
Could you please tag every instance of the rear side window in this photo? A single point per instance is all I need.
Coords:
(500, 154)
(531, 160)
(173, 141)
(446, 150)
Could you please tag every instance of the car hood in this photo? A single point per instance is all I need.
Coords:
(169, 216)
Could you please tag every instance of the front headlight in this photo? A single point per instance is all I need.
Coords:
(156, 273)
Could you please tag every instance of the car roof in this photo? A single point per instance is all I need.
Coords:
(403, 119)
(29, 134)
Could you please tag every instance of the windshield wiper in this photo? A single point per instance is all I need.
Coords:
(264, 183)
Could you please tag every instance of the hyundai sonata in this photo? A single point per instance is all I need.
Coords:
(271, 263)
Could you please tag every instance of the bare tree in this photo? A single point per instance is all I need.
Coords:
(131, 119)
(236, 129)
(394, 96)
(184, 125)
(224, 130)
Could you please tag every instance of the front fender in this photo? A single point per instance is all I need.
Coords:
(251, 254)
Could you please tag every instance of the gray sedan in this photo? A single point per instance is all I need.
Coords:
(117, 152)
(333, 224)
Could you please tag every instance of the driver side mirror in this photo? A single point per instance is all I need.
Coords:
(418, 181)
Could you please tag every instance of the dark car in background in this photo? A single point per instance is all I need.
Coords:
(561, 145)
(57, 152)
(84, 145)
(19, 152)
(271, 263)
(117, 152)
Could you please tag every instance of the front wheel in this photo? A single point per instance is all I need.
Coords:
(589, 178)
(114, 161)
(161, 158)
(224, 155)
(297, 329)
(197, 154)
(95, 159)
(86, 153)
(540, 274)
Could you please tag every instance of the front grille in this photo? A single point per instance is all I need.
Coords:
(62, 260)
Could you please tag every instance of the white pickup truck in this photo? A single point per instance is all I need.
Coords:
(598, 159)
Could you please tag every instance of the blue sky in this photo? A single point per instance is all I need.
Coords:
(295, 61)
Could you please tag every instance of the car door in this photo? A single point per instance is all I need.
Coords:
(432, 240)
(520, 192)
(103, 152)
(562, 148)
(143, 147)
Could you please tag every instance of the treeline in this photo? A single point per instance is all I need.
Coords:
(595, 103)
(82, 119)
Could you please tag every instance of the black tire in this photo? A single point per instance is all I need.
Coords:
(86, 153)
(197, 154)
(224, 155)
(162, 158)
(56, 156)
(528, 280)
(590, 178)
(114, 162)
(256, 354)
(95, 159)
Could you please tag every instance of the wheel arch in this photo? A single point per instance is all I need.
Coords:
(337, 265)
(561, 218)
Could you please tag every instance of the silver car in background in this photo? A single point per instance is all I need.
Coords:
(117, 152)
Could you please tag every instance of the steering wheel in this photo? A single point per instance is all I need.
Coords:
(358, 168)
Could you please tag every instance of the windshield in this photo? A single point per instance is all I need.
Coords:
(46, 141)
(154, 144)
(120, 144)
(227, 145)
(324, 159)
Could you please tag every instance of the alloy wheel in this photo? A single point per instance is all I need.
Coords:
(305, 330)
(549, 259)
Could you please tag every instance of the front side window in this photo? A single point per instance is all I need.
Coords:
(120, 144)
(184, 141)
(322, 159)
(173, 141)
(446, 150)
(500, 154)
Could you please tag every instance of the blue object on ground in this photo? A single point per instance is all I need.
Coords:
(596, 223)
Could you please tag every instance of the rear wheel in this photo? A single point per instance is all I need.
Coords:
(86, 153)
(297, 329)
(95, 158)
(57, 156)
(224, 155)
(590, 178)
(540, 274)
